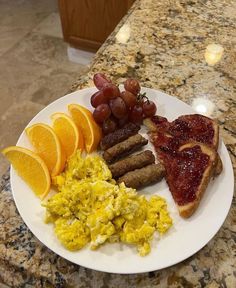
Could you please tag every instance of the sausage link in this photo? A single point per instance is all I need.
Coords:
(144, 176)
(119, 135)
(124, 148)
(131, 163)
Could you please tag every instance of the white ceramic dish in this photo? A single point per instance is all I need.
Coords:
(184, 239)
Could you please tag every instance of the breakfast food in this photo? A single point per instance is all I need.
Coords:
(84, 120)
(119, 135)
(187, 148)
(53, 145)
(141, 177)
(68, 133)
(118, 143)
(31, 168)
(188, 173)
(113, 109)
(193, 127)
(131, 163)
(126, 147)
(91, 209)
(47, 146)
(100, 80)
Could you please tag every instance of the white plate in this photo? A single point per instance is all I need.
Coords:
(183, 240)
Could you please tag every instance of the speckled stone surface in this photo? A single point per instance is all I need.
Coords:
(165, 51)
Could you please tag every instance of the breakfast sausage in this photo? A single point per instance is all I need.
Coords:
(119, 135)
(124, 148)
(131, 163)
(144, 176)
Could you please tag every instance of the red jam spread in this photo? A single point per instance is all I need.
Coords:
(165, 144)
(188, 127)
(194, 127)
(184, 171)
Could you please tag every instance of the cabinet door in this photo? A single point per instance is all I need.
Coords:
(87, 23)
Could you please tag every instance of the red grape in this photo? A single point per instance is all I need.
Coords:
(109, 126)
(101, 113)
(149, 108)
(136, 114)
(118, 107)
(129, 98)
(98, 98)
(123, 121)
(132, 86)
(100, 80)
(111, 91)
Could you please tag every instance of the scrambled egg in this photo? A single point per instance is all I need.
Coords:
(91, 208)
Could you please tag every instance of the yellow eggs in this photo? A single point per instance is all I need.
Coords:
(91, 209)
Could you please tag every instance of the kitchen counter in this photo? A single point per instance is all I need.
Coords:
(161, 43)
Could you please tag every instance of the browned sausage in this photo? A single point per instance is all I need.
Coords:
(131, 163)
(144, 176)
(124, 148)
(119, 135)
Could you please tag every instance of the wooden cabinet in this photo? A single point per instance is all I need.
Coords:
(87, 23)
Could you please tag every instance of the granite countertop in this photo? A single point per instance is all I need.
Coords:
(163, 45)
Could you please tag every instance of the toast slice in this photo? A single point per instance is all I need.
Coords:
(187, 147)
(188, 172)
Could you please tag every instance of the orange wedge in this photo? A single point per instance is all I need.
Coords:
(48, 147)
(83, 118)
(70, 136)
(31, 168)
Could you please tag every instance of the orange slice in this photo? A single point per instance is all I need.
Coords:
(70, 136)
(31, 168)
(83, 118)
(48, 147)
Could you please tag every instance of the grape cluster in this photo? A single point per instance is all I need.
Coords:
(113, 109)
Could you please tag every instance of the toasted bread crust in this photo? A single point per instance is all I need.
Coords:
(150, 125)
(218, 167)
(216, 135)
